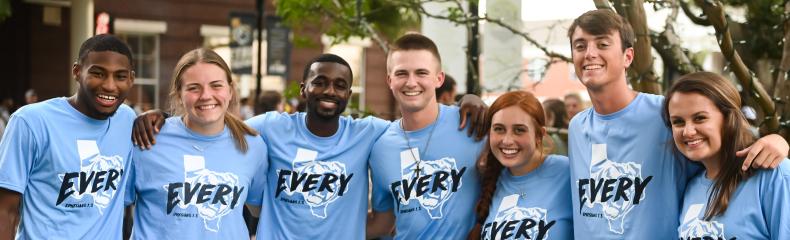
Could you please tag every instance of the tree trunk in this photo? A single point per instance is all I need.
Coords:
(641, 74)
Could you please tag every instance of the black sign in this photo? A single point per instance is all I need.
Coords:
(242, 25)
(278, 47)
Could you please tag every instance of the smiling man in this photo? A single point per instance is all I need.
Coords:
(62, 161)
(425, 181)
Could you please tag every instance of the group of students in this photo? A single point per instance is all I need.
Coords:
(640, 166)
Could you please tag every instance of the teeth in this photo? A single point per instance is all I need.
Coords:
(695, 142)
(106, 97)
(593, 67)
(412, 93)
(509, 151)
(207, 107)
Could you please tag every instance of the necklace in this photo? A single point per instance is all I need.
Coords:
(417, 160)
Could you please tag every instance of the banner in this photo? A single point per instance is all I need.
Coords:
(278, 47)
(242, 25)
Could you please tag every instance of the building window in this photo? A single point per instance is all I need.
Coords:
(145, 49)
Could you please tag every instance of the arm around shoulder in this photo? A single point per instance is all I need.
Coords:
(9, 213)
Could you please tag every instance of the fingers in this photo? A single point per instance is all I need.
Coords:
(746, 162)
(464, 112)
(751, 155)
(481, 126)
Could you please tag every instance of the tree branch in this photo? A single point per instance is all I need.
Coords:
(715, 13)
(643, 77)
(667, 44)
(694, 18)
(602, 4)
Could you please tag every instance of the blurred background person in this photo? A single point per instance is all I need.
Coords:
(556, 121)
(31, 96)
(246, 109)
(573, 104)
(445, 94)
(269, 101)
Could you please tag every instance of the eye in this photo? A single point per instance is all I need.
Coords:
(498, 129)
(700, 118)
(678, 122)
(218, 85)
(98, 74)
(579, 46)
(317, 83)
(121, 76)
(521, 130)
(341, 85)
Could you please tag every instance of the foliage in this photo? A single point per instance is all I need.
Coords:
(5, 9)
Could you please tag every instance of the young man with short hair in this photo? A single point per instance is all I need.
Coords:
(62, 161)
(629, 183)
(425, 181)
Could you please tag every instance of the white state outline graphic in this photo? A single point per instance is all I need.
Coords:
(427, 201)
(88, 151)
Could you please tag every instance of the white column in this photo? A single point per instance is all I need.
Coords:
(81, 29)
(450, 39)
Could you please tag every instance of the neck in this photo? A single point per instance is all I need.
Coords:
(712, 167)
(611, 99)
(535, 161)
(322, 127)
(79, 103)
(206, 129)
(419, 119)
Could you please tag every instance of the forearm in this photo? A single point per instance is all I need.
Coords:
(379, 224)
(9, 213)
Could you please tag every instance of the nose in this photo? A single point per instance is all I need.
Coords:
(205, 94)
(411, 81)
(590, 52)
(330, 90)
(689, 130)
(507, 138)
(109, 84)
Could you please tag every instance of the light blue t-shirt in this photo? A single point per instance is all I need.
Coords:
(69, 169)
(627, 182)
(533, 206)
(192, 186)
(439, 202)
(317, 186)
(758, 209)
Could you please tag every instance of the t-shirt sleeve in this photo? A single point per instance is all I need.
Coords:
(130, 193)
(381, 199)
(258, 184)
(17, 152)
(776, 202)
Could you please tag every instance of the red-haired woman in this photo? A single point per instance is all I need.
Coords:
(525, 193)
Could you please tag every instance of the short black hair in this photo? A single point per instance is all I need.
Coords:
(327, 57)
(447, 86)
(104, 42)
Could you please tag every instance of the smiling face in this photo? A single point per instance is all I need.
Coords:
(105, 78)
(599, 59)
(205, 95)
(696, 125)
(514, 140)
(413, 78)
(327, 89)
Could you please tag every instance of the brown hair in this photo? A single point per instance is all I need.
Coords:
(735, 129)
(489, 167)
(201, 55)
(601, 22)
(414, 41)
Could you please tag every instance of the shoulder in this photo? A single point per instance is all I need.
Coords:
(125, 112)
(781, 174)
(652, 100)
(273, 117)
(40, 109)
(556, 165)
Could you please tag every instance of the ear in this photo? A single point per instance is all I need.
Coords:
(302, 89)
(132, 75)
(440, 79)
(76, 70)
(628, 54)
(389, 81)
